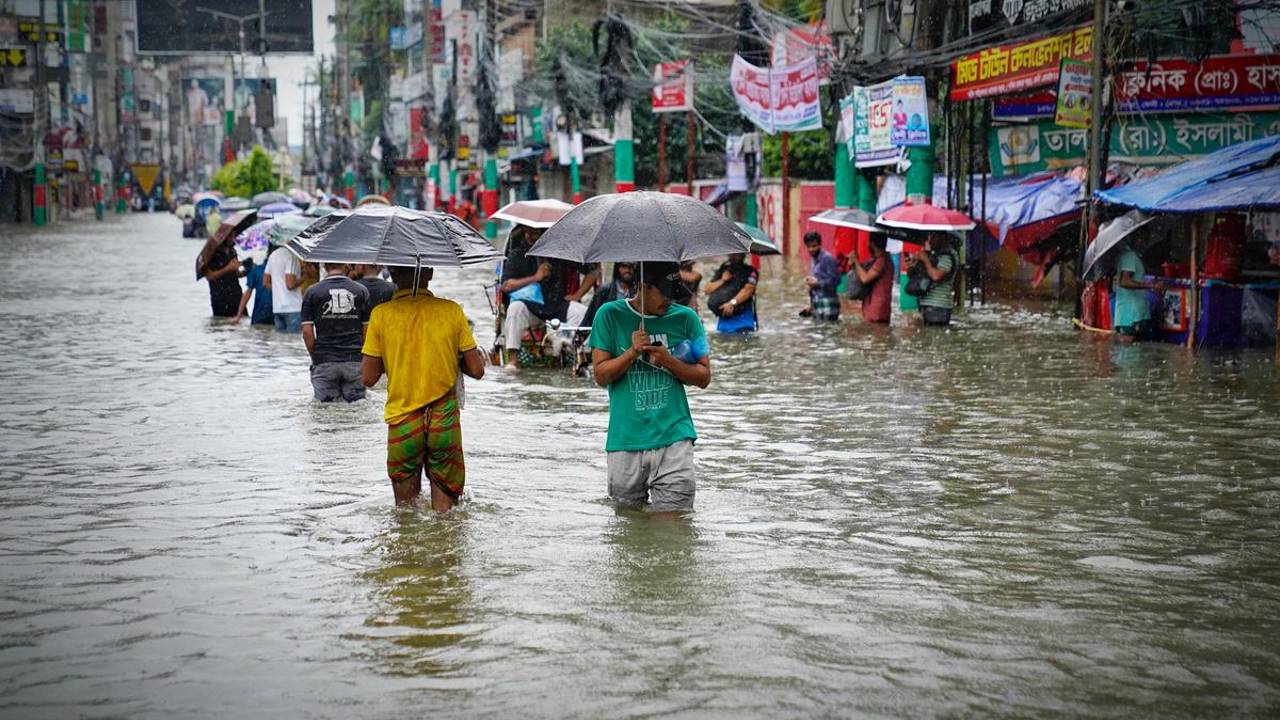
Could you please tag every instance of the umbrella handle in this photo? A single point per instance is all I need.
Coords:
(417, 273)
(641, 289)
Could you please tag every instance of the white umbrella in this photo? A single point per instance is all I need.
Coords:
(1111, 234)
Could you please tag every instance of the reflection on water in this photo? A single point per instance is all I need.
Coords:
(1003, 518)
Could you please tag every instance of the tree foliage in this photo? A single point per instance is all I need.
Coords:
(247, 177)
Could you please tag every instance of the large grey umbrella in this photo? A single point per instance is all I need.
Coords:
(392, 235)
(641, 226)
(1110, 235)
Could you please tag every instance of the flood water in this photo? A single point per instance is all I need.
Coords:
(1007, 519)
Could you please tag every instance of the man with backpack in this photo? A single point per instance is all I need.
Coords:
(934, 271)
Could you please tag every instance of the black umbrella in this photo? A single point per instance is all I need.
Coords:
(392, 235)
(640, 226)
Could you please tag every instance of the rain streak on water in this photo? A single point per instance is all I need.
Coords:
(1005, 519)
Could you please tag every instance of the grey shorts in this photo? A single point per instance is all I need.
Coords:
(660, 480)
(337, 380)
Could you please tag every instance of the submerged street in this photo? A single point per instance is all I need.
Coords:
(1005, 518)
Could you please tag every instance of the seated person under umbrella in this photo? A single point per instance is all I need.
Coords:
(538, 291)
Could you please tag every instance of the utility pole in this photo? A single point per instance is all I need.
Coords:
(1095, 100)
(689, 157)
(662, 152)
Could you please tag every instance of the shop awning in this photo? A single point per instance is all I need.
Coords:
(1245, 176)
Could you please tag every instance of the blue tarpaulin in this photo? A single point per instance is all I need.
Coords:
(1245, 176)
(1011, 203)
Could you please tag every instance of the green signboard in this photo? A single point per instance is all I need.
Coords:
(1141, 140)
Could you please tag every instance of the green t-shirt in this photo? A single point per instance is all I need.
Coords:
(647, 406)
(1131, 305)
(942, 294)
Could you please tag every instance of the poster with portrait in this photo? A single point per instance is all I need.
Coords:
(909, 126)
(205, 100)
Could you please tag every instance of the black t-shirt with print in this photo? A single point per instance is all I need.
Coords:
(338, 307)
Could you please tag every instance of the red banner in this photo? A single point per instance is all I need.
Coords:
(1221, 82)
(673, 86)
(1016, 67)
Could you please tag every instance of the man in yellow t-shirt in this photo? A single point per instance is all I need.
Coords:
(421, 341)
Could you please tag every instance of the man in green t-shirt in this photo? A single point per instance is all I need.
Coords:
(1132, 320)
(645, 360)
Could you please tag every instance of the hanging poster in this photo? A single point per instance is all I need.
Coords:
(873, 108)
(1013, 68)
(910, 120)
(1075, 89)
(673, 86)
(781, 99)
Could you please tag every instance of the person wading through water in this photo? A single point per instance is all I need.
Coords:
(421, 342)
(645, 350)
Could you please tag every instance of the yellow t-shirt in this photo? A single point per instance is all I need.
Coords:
(418, 338)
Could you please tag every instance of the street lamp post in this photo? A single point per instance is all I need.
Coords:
(240, 20)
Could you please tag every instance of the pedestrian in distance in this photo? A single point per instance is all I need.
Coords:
(335, 312)
(1133, 308)
(731, 295)
(222, 270)
(421, 342)
(284, 280)
(380, 290)
(255, 282)
(822, 281)
(645, 350)
(937, 263)
(877, 277)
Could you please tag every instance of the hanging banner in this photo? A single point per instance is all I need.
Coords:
(752, 92)
(796, 105)
(1221, 82)
(1016, 67)
(910, 120)
(781, 99)
(848, 125)
(799, 43)
(1075, 91)
(1149, 140)
(673, 86)
(872, 111)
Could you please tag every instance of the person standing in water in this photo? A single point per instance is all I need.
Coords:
(645, 350)
(421, 342)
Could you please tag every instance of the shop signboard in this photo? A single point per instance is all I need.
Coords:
(1149, 140)
(987, 15)
(910, 119)
(1220, 82)
(17, 100)
(1075, 90)
(14, 57)
(411, 168)
(872, 111)
(673, 86)
(781, 99)
(1016, 67)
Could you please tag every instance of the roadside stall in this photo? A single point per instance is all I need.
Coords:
(1216, 245)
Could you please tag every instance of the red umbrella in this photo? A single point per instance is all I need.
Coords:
(927, 218)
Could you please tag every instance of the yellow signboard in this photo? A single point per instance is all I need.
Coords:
(146, 173)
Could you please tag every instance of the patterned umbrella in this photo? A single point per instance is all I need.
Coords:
(255, 237)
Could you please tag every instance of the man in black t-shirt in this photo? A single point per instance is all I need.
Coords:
(335, 312)
(380, 290)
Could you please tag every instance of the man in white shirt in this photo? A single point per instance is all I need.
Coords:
(283, 278)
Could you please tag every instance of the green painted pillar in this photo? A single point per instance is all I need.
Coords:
(624, 154)
(490, 199)
(865, 191)
(846, 192)
(575, 179)
(919, 191)
(40, 215)
(433, 185)
(98, 208)
(753, 209)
